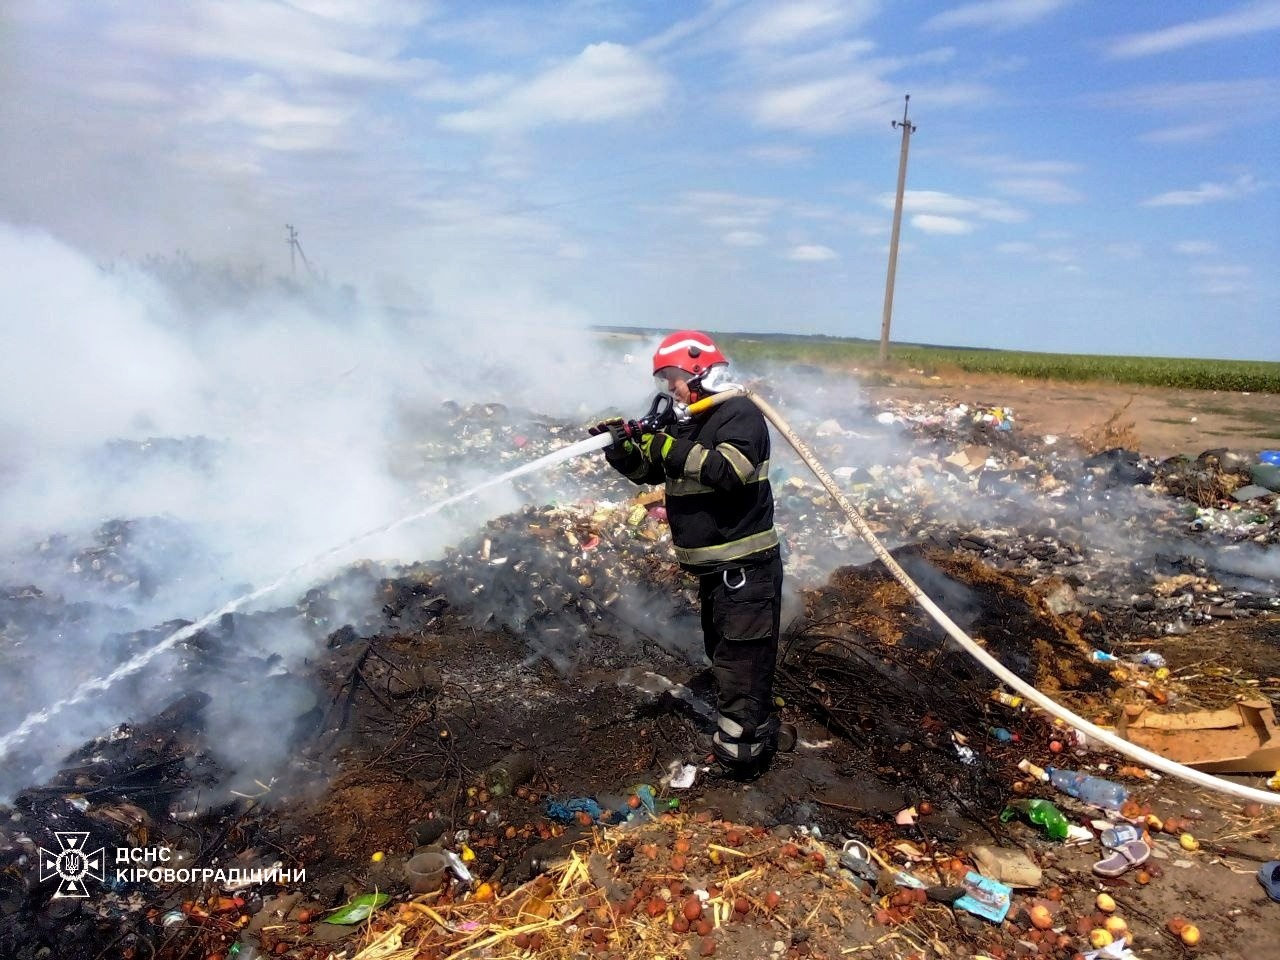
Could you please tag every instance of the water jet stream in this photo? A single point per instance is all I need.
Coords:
(136, 663)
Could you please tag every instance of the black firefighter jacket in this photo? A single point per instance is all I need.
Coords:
(719, 502)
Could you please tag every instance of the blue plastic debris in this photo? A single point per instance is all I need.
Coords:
(565, 811)
(985, 897)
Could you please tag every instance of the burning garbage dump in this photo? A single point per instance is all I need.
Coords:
(502, 751)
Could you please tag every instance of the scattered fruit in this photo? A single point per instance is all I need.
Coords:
(1040, 917)
(1188, 842)
(707, 947)
(680, 924)
(772, 899)
(1117, 927)
(681, 845)
(634, 802)
(1099, 938)
(1190, 935)
(678, 861)
(742, 905)
(655, 906)
(1176, 925)
(692, 909)
(1106, 903)
(1143, 878)
(378, 857)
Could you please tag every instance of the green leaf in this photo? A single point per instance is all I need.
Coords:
(358, 910)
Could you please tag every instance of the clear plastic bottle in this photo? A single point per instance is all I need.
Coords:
(1094, 790)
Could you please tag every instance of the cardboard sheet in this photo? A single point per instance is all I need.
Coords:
(1242, 738)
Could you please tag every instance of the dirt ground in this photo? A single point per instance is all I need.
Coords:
(417, 710)
(1165, 422)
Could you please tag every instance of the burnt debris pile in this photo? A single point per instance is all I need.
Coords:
(364, 718)
(875, 669)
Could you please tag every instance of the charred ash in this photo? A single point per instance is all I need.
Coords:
(569, 632)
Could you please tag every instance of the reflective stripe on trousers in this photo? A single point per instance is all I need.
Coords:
(741, 614)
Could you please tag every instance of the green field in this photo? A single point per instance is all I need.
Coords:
(1254, 376)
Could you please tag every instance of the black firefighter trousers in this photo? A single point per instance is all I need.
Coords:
(741, 618)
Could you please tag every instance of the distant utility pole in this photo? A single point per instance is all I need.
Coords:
(908, 129)
(295, 251)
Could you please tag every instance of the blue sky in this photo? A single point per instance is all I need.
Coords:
(1090, 177)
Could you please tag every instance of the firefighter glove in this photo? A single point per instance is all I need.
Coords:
(656, 447)
(614, 427)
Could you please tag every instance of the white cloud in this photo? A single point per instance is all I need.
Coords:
(464, 91)
(1195, 248)
(1221, 270)
(1223, 279)
(1125, 251)
(932, 223)
(780, 24)
(811, 253)
(995, 14)
(744, 238)
(1205, 193)
(1185, 133)
(1195, 95)
(947, 204)
(279, 122)
(722, 210)
(607, 81)
(1253, 18)
(334, 40)
(858, 97)
(779, 153)
(1039, 190)
(1058, 256)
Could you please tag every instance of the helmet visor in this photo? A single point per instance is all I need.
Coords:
(666, 378)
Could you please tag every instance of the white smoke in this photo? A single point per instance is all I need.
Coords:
(255, 430)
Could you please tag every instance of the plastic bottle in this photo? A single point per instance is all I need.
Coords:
(509, 772)
(1094, 790)
(1040, 812)
(1149, 658)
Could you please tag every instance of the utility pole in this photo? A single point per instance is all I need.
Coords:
(908, 129)
(295, 251)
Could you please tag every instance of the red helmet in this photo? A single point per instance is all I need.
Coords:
(687, 350)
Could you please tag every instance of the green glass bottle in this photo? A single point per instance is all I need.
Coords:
(1042, 813)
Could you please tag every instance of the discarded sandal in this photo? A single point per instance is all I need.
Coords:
(1132, 853)
(1269, 877)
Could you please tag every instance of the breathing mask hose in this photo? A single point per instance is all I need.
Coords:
(1093, 732)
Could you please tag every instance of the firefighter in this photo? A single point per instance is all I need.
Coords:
(720, 508)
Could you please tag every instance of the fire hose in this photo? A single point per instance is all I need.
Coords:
(967, 643)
